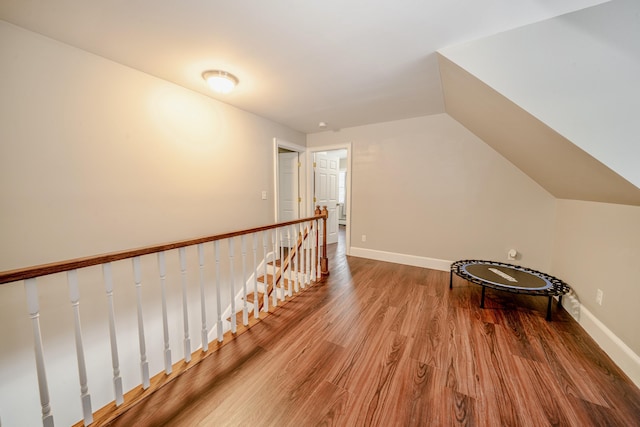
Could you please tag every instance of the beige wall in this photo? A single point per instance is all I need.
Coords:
(597, 246)
(98, 157)
(428, 187)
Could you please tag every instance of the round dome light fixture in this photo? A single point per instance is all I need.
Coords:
(220, 81)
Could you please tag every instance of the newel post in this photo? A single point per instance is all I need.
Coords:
(324, 261)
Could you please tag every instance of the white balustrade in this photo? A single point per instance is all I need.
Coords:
(185, 306)
(162, 267)
(115, 362)
(74, 296)
(300, 261)
(144, 363)
(33, 307)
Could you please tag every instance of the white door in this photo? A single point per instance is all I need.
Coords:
(288, 198)
(326, 171)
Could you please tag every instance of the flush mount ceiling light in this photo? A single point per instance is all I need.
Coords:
(220, 81)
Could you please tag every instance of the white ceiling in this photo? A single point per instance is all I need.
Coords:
(299, 62)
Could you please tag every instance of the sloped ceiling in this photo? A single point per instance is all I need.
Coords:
(299, 62)
(559, 98)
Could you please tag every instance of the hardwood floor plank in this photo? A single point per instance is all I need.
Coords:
(331, 412)
(371, 393)
(461, 370)
(535, 381)
(499, 397)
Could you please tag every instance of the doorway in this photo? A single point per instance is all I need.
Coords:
(329, 184)
(289, 188)
(306, 184)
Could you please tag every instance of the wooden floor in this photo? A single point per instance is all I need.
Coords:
(382, 344)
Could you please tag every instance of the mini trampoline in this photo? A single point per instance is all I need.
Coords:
(509, 278)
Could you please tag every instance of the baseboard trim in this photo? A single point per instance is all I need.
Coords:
(413, 260)
(623, 356)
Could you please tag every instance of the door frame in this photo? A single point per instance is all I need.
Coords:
(302, 189)
(310, 192)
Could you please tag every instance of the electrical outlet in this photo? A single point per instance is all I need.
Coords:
(364, 237)
(599, 295)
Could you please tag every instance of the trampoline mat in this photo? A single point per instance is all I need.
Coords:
(507, 277)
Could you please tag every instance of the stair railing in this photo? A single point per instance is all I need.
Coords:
(303, 263)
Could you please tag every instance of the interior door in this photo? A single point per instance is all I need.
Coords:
(326, 171)
(288, 198)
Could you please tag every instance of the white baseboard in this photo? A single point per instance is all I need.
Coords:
(416, 261)
(616, 349)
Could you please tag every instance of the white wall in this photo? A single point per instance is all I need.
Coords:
(597, 246)
(428, 188)
(97, 157)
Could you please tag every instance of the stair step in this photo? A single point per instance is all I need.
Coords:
(269, 280)
(250, 297)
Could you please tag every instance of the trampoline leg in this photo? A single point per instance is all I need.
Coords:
(559, 300)
(451, 280)
(482, 300)
(549, 308)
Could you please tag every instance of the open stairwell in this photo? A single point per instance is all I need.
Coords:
(280, 275)
(159, 297)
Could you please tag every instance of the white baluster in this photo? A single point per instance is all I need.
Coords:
(308, 229)
(256, 312)
(265, 297)
(296, 263)
(314, 266)
(216, 246)
(34, 312)
(274, 239)
(115, 362)
(203, 306)
(305, 253)
(144, 363)
(74, 296)
(245, 308)
(281, 257)
(232, 290)
(162, 267)
(290, 256)
(300, 256)
(185, 309)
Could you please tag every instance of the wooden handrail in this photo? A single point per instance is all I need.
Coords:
(58, 267)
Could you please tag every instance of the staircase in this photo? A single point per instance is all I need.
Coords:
(284, 272)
